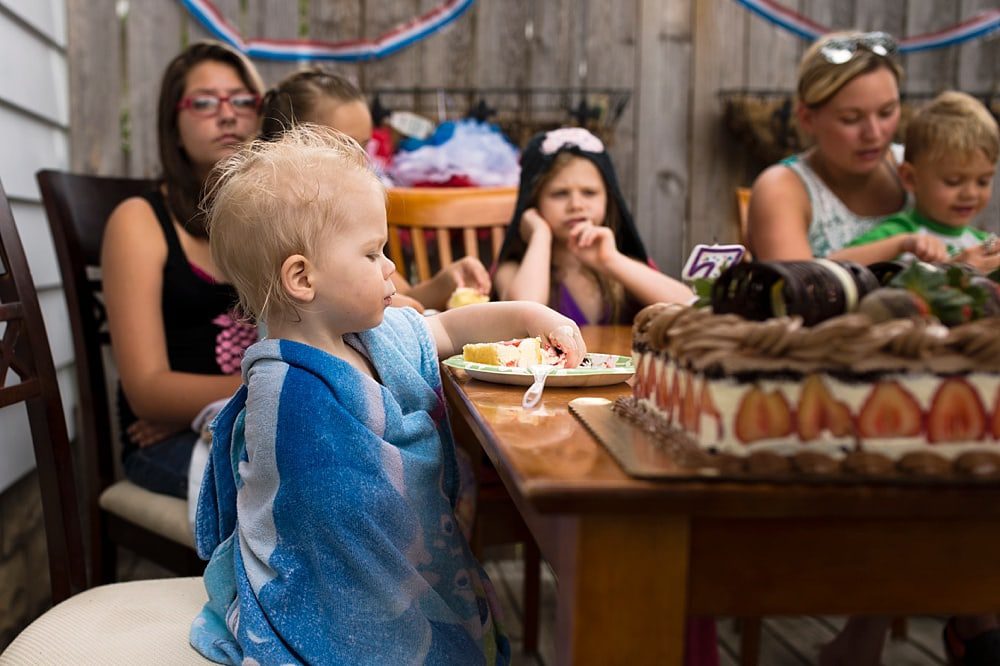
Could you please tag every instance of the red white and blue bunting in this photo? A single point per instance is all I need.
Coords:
(305, 49)
(981, 24)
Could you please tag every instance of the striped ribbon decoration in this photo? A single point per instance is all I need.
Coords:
(981, 24)
(354, 50)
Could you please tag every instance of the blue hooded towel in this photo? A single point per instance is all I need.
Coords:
(327, 512)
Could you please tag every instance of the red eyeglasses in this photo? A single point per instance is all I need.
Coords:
(244, 104)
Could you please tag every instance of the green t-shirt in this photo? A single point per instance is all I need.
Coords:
(955, 239)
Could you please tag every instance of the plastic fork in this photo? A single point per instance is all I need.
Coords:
(534, 392)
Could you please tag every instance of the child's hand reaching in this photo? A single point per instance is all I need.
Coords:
(434, 293)
(985, 258)
(925, 248)
(466, 272)
(486, 322)
(559, 332)
(593, 245)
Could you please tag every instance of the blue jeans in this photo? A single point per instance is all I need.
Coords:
(163, 467)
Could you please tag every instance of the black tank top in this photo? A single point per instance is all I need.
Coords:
(203, 335)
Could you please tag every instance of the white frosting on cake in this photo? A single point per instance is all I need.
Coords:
(890, 412)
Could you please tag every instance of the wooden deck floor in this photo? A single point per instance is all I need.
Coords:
(786, 641)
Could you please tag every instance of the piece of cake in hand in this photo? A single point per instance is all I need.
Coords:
(465, 296)
(518, 353)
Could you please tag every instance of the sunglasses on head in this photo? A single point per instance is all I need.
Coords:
(841, 50)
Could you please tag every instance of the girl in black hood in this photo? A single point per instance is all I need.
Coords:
(572, 244)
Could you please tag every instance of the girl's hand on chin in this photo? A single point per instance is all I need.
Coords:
(531, 223)
(593, 245)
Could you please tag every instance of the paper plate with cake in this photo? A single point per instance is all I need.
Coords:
(508, 362)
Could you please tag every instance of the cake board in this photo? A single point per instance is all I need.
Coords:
(674, 456)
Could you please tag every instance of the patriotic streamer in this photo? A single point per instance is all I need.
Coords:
(355, 50)
(973, 28)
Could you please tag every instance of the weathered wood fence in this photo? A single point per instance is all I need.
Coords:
(678, 163)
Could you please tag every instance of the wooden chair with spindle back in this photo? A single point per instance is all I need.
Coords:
(126, 623)
(420, 213)
(120, 513)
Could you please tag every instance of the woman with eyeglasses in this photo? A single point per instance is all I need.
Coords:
(175, 337)
(814, 203)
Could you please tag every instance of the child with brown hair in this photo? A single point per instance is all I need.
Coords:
(571, 243)
(176, 343)
(327, 506)
(952, 146)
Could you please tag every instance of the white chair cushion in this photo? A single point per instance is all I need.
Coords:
(158, 513)
(143, 622)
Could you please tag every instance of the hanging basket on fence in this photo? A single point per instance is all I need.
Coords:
(764, 120)
(519, 112)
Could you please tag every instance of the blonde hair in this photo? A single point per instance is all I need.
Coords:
(274, 199)
(819, 79)
(953, 123)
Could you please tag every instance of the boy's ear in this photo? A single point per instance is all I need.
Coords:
(296, 278)
(907, 176)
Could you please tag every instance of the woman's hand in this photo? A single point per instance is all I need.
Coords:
(925, 248)
(593, 245)
(533, 223)
(146, 433)
(558, 332)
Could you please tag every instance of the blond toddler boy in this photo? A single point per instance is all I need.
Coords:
(328, 504)
(952, 146)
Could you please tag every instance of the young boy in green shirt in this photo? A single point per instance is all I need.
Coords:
(952, 146)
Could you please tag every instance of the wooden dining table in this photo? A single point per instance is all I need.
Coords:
(635, 558)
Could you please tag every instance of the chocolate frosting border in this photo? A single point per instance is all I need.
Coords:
(849, 344)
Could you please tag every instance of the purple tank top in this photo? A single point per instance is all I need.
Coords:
(566, 305)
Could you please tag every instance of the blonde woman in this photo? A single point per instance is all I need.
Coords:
(814, 203)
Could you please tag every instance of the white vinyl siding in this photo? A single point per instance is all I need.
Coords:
(34, 119)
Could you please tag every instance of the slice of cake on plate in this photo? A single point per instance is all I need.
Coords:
(518, 353)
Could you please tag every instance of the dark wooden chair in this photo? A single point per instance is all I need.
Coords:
(150, 619)
(119, 512)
